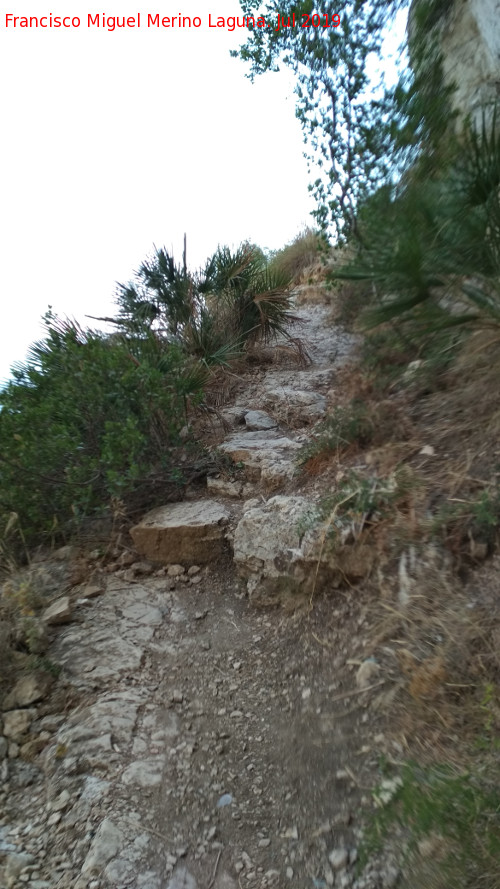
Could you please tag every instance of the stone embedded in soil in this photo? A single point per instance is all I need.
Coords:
(59, 612)
(296, 406)
(144, 773)
(339, 858)
(245, 444)
(15, 864)
(366, 673)
(175, 570)
(224, 487)
(182, 532)
(105, 846)
(29, 690)
(17, 722)
(258, 420)
(182, 879)
(267, 537)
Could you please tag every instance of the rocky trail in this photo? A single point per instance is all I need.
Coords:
(192, 739)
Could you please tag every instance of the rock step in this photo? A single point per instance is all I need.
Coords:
(191, 532)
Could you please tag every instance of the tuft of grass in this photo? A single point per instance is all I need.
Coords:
(344, 426)
(359, 502)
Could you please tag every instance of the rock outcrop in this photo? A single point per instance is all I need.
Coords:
(468, 37)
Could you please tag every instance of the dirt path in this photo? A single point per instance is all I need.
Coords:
(210, 745)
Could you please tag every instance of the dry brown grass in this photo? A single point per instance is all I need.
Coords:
(301, 260)
(438, 632)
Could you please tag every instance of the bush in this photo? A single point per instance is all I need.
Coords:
(430, 247)
(344, 426)
(87, 418)
(214, 315)
(91, 418)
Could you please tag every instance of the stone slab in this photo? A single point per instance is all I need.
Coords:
(189, 533)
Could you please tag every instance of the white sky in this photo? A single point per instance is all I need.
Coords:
(115, 141)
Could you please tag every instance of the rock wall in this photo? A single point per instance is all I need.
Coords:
(467, 33)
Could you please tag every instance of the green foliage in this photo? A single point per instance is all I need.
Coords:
(357, 500)
(431, 247)
(486, 514)
(90, 418)
(161, 289)
(86, 419)
(342, 426)
(237, 299)
(358, 131)
(249, 297)
(398, 353)
(461, 809)
(37, 662)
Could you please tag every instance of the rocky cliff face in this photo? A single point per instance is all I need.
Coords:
(467, 33)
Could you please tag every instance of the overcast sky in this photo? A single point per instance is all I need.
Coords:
(117, 140)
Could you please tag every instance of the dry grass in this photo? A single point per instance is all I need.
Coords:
(444, 652)
(301, 260)
(435, 625)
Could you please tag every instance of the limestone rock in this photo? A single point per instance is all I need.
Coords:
(182, 532)
(16, 862)
(144, 773)
(339, 858)
(92, 590)
(224, 487)
(367, 673)
(32, 748)
(245, 445)
(467, 37)
(105, 846)
(59, 612)
(258, 420)
(278, 558)
(182, 879)
(175, 570)
(29, 690)
(65, 553)
(297, 406)
(267, 538)
(266, 456)
(274, 473)
(17, 722)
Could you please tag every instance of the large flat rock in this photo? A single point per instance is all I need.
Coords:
(267, 539)
(281, 550)
(266, 455)
(243, 445)
(295, 405)
(186, 533)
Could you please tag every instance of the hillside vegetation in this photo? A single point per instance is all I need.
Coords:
(93, 423)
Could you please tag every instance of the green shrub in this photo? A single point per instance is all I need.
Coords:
(357, 501)
(86, 419)
(431, 245)
(237, 299)
(459, 810)
(343, 426)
